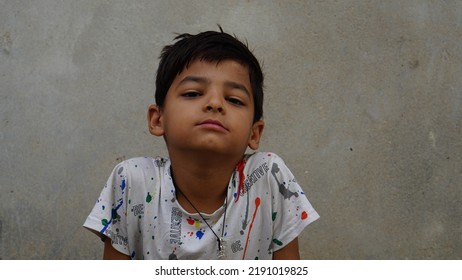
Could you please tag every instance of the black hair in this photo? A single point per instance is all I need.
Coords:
(210, 46)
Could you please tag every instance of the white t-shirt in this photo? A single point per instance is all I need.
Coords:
(138, 210)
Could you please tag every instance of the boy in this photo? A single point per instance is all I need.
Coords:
(209, 199)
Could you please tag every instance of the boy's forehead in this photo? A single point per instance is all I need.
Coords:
(216, 63)
(234, 70)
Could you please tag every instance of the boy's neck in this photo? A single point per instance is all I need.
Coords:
(202, 180)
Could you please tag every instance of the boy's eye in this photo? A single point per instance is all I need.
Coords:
(191, 94)
(235, 101)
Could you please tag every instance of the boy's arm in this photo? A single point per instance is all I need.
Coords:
(112, 254)
(288, 252)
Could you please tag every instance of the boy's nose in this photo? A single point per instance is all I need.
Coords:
(214, 109)
(215, 103)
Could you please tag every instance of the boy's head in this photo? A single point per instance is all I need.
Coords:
(210, 46)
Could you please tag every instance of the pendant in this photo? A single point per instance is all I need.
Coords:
(221, 249)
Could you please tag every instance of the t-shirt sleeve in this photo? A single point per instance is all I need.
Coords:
(109, 215)
(292, 211)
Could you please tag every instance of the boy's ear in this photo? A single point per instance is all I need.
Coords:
(256, 133)
(155, 120)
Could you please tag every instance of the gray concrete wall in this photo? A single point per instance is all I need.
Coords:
(363, 101)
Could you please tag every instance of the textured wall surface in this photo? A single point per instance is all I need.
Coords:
(363, 101)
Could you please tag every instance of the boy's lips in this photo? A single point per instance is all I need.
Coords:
(213, 124)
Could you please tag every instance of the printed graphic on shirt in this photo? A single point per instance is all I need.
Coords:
(245, 183)
(199, 233)
(117, 238)
(175, 226)
(160, 162)
(138, 210)
(240, 187)
(257, 204)
(236, 246)
(286, 193)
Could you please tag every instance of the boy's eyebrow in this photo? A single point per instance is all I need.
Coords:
(203, 80)
(196, 79)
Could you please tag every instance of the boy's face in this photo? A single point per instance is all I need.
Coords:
(209, 107)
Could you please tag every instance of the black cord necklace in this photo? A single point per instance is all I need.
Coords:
(221, 242)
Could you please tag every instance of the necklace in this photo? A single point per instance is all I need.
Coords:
(221, 242)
